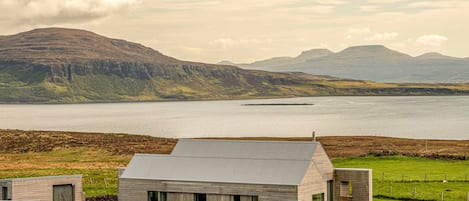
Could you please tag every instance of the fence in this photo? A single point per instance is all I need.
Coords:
(419, 187)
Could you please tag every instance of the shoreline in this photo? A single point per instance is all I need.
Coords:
(223, 99)
(19, 141)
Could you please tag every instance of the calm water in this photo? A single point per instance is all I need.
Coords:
(413, 117)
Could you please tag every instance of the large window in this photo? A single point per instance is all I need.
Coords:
(236, 198)
(163, 196)
(318, 197)
(200, 197)
(157, 196)
(152, 196)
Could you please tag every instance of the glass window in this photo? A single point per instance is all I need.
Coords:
(236, 198)
(152, 196)
(346, 189)
(255, 198)
(200, 197)
(318, 197)
(330, 190)
(5, 193)
(163, 196)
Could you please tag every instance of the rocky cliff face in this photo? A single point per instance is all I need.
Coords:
(65, 65)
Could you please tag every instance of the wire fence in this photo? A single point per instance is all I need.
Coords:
(428, 187)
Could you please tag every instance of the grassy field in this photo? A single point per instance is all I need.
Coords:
(97, 156)
(400, 177)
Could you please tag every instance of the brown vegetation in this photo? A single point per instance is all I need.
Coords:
(17, 141)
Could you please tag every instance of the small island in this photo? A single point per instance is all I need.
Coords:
(276, 104)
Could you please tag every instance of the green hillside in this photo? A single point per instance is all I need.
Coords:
(74, 66)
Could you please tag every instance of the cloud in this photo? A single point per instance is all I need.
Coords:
(437, 4)
(50, 12)
(383, 36)
(229, 42)
(384, 1)
(359, 31)
(369, 8)
(432, 40)
(310, 9)
(331, 2)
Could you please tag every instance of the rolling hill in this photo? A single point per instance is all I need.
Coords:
(57, 65)
(376, 63)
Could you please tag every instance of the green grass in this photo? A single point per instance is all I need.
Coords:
(429, 178)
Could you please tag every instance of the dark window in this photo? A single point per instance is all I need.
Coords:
(318, 197)
(330, 190)
(236, 198)
(63, 193)
(4, 193)
(163, 196)
(200, 197)
(255, 198)
(152, 196)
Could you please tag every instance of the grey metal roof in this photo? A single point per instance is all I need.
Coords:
(225, 161)
(223, 170)
(286, 150)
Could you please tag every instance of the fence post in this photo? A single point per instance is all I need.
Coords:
(105, 182)
(415, 193)
(442, 196)
(390, 191)
(467, 196)
(382, 176)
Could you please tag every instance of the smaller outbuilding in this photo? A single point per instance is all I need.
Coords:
(51, 188)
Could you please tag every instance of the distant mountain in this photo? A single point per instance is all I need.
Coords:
(228, 63)
(57, 65)
(378, 63)
(280, 61)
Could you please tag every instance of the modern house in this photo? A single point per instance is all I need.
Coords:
(52, 188)
(237, 170)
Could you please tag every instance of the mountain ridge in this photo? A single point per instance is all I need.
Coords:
(381, 64)
(58, 65)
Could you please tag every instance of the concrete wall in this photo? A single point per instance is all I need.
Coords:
(41, 188)
(359, 179)
(137, 190)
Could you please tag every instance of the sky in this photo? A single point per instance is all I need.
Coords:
(244, 31)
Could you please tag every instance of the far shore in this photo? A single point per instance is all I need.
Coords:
(19, 141)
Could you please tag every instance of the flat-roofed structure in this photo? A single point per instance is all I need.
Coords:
(50, 188)
(231, 170)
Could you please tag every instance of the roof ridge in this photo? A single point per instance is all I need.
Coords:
(212, 157)
(248, 141)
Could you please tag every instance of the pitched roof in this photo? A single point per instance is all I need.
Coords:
(282, 150)
(225, 161)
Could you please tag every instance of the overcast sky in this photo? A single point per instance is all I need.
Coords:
(249, 30)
